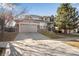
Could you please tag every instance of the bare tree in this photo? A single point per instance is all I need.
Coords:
(5, 16)
(7, 11)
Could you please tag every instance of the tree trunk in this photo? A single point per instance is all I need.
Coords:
(65, 31)
(69, 31)
(2, 30)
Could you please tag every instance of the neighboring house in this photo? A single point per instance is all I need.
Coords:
(50, 22)
(10, 24)
(77, 29)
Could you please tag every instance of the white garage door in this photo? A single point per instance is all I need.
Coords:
(28, 28)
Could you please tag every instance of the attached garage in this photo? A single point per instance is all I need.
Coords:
(27, 27)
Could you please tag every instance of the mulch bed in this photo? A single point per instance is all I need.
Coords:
(2, 50)
(8, 36)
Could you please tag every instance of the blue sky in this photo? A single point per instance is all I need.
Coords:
(44, 9)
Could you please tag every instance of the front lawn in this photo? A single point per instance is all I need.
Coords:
(73, 43)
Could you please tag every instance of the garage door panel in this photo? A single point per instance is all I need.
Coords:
(28, 28)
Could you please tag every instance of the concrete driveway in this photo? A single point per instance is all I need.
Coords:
(33, 36)
(36, 44)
